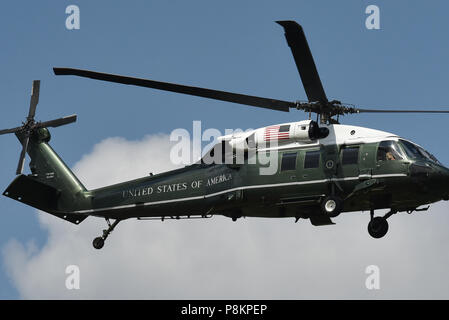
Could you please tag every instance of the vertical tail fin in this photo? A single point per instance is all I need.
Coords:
(52, 186)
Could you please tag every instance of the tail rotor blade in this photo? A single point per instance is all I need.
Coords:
(22, 155)
(10, 130)
(30, 127)
(34, 98)
(58, 122)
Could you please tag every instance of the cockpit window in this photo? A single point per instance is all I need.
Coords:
(416, 152)
(389, 150)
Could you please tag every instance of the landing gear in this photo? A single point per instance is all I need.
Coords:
(331, 206)
(98, 242)
(378, 226)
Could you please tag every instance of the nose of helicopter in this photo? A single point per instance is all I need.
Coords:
(434, 179)
(440, 179)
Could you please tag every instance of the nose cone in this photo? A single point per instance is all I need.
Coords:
(433, 180)
(439, 179)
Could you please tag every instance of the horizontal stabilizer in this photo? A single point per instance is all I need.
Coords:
(40, 196)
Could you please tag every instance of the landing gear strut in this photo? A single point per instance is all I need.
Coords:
(378, 226)
(98, 242)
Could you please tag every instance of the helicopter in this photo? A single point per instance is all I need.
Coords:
(321, 168)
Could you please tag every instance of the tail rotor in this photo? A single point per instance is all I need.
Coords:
(31, 125)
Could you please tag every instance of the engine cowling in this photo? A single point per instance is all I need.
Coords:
(307, 131)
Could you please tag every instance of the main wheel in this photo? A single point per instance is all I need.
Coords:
(332, 206)
(378, 227)
(98, 243)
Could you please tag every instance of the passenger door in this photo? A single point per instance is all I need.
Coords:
(348, 168)
(311, 175)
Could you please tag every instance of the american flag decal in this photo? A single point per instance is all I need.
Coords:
(277, 133)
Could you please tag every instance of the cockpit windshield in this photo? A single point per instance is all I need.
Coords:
(416, 152)
(389, 150)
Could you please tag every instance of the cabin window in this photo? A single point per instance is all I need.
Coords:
(388, 150)
(350, 155)
(312, 159)
(288, 161)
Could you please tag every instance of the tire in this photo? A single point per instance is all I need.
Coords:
(378, 227)
(332, 206)
(98, 243)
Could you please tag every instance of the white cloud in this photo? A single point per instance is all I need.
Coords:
(218, 258)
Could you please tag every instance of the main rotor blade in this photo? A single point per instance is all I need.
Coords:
(305, 64)
(267, 103)
(57, 122)
(399, 111)
(34, 98)
(22, 155)
(10, 130)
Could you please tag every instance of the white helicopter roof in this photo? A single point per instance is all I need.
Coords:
(295, 135)
(346, 134)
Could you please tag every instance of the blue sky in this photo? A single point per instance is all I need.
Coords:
(227, 45)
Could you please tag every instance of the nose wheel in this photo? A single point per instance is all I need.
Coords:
(378, 226)
(98, 242)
